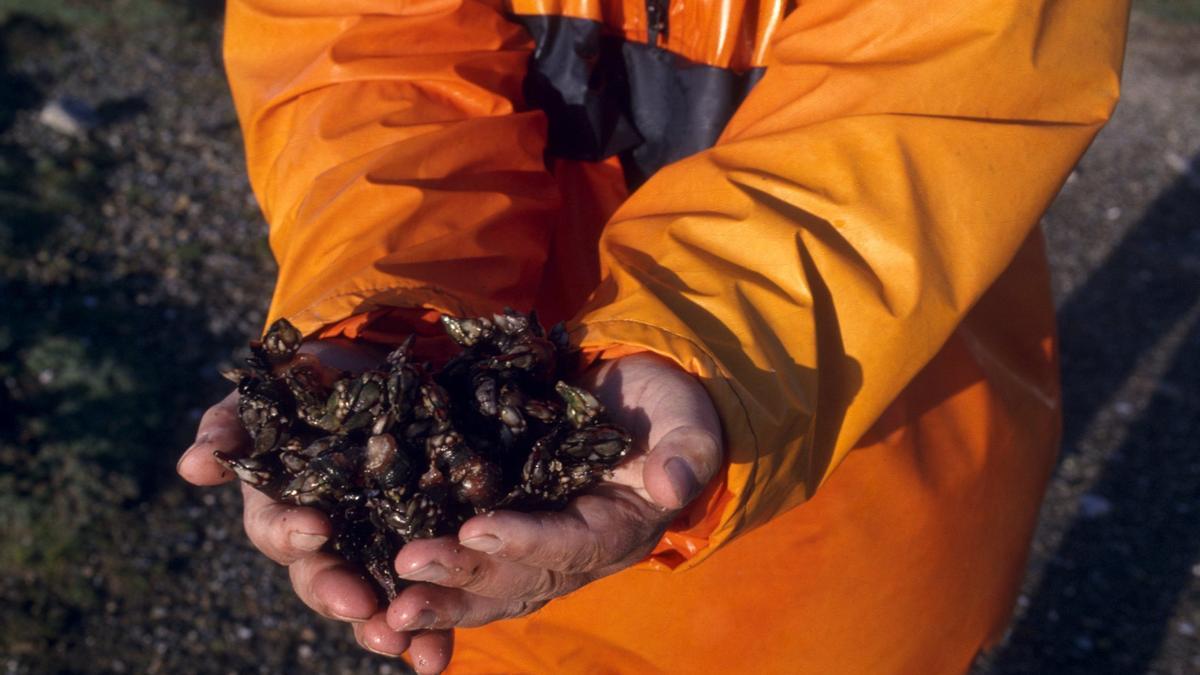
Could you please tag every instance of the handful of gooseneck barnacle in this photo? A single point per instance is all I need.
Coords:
(401, 453)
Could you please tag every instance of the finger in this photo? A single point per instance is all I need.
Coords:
(426, 607)
(680, 465)
(283, 532)
(332, 588)
(431, 650)
(374, 635)
(444, 562)
(219, 429)
(595, 531)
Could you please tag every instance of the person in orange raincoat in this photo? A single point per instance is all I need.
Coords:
(800, 240)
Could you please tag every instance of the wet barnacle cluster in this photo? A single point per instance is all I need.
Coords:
(403, 452)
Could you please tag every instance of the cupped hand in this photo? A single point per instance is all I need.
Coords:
(293, 535)
(508, 564)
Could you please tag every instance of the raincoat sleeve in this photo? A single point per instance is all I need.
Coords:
(872, 186)
(389, 150)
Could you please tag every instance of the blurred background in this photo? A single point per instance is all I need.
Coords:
(133, 263)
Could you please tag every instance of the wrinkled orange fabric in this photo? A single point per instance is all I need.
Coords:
(853, 271)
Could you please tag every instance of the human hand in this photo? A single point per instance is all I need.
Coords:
(508, 564)
(293, 535)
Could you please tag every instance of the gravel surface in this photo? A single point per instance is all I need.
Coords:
(133, 262)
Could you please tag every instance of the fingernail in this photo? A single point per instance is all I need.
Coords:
(423, 620)
(683, 479)
(431, 572)
(485, 543)
(351, 619)
(380, 653)
(307, 542)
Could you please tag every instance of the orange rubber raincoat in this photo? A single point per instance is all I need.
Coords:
(849, 261)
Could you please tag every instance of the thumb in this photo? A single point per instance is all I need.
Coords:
(219, 429)
(680, 464)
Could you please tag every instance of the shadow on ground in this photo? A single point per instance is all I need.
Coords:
(1095, 609)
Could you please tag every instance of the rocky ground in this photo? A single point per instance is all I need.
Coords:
(133, 262)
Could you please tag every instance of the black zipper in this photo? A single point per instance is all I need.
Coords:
(656, 20)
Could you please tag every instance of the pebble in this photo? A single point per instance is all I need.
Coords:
(1092, 506)
(1190, 170)
(1177, 162)
(1186, 628)
(1124, 409)
(70, 116)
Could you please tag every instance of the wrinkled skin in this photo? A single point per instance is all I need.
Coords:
(510, 563)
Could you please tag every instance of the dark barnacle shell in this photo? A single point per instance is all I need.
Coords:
(487, 397)
(512, 323)
(543, 411)
(291, 456)
(355, 403)
(327, 477)
(476, 481)
(420, 517)
(384, 464)
(377, 558)
(402, 452)
(403, 387)
(434, 408)
(603, 443)
(293, 461)
(511, 401)
(532, 354)
(262, 412)
(582, 407)
(281, 341)
(468, 332)
(304, 378)
(257, 472)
